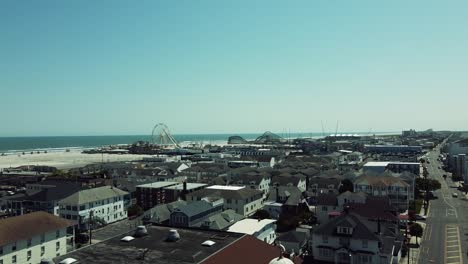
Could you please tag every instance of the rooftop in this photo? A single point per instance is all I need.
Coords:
(92, 195)
(226, 187)
(29, 225)
(250, 226)
(189, 186)
(159, 184)
(154, 248)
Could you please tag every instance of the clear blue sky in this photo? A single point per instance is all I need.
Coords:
(119, 67)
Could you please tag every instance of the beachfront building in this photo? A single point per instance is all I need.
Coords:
(243, 200)
(105, 204)
(32, 237)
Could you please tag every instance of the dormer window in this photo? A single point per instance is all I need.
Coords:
(344, 230)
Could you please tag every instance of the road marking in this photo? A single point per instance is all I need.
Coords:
(452, 252)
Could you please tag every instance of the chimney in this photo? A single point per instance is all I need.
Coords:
(277, 194)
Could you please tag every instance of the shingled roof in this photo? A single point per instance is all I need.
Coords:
(92, 195)
(243, 193)
(29, 225)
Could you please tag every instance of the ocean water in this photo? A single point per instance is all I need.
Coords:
(60, 143)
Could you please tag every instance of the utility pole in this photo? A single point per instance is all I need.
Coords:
(91, 213)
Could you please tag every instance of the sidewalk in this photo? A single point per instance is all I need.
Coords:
(413, 252)
(415, 248)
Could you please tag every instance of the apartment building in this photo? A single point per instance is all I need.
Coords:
(104, 204)
(29, 238)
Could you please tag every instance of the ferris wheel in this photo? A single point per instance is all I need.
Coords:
(162, 136)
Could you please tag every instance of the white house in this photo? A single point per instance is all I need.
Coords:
(241, 199)
(105, 203)
(261, 229)
(29, 238)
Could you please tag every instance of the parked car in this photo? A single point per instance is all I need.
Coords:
(454, 195)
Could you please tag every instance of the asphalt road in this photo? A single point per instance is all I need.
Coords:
(445, 239)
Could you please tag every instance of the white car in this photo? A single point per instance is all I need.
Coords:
(455, 195)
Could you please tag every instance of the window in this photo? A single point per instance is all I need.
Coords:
(13, 247)
(29, 242)
(29, 255)
(324, 208)
(1, 261)
(325, 252)
(82, 207)
(57, 234)
(57, 245)
(325, 239)
(13, 259)
(42, 251)
(42, 238)
(364, 244)
(1, 250)
(365, 259)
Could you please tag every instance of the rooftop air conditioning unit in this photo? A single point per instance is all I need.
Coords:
(141, 231)
(173, 235)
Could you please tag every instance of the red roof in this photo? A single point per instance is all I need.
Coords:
(334, 213)
(247, 250)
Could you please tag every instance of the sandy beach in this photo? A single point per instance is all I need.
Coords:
(63, 160)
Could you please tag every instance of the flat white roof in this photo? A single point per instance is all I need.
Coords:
(250, 226)
(226, 187)
(189, 186)
(159, 184)
(377, 164)
(386, 163)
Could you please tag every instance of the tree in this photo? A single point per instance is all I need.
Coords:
(427, 184)
(422, 160)
(135, 210)
(346, 185)
(416, 230)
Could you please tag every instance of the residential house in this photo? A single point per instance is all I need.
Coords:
(319, 185)
(29, 238)
(103, 203)
(243, 200)
(350, 238)
(194, 213)
(289, 197)
(397, 190)
(261, 229)
(295, 242)
(255, 181)
(297, 180)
